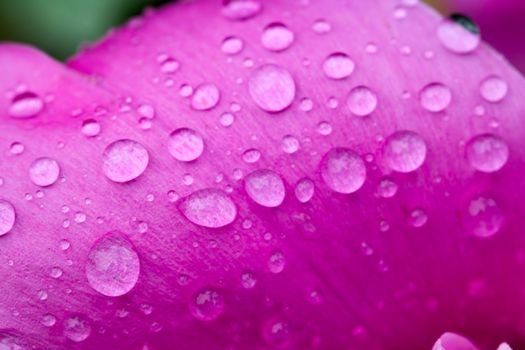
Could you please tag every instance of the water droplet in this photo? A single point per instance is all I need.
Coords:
(205, 97)
(387, 188)
(232, 45)
(113, 266)
(338, 66)
(324, 128)
(146, 111)
(248, 280)
(453, 341)
(90, 128)
(227, 119)
(290, 144)
(277, 37)
(48, 320)
(209, 208)
(272, 88)
(7, 217)
(277, 333)
(265, 187)
(487, 153)
(26, 105)
(77, 328)
(343, 170)
(483, 216)
(56, 272)
(185, 145)
(321, 26)
(44, 172)
(493, 89)
(418, 218)
(435, 97)
(504, 346)
(404, 151)
(251, 156)
(241, 9)
(124, 160)
(362, 101)
(276, 262)
(16, 148)
(207, 304)
(169, 65)
(459, 34)
(304, 190)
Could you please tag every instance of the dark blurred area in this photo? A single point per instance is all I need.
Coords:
(59, 27)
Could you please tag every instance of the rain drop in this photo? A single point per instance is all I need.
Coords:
(277, 37)
(304, 190)
(493, 89)
(338, 66)
(459, 34)
(207, 304)
(362, 101)
(209, 208)
(483, 216)
(205, 97)
(44, 172)
(77, 328)
(487, 153)
(26, 105)
(435, 97)
(404, 151)
(272, 88)
(124, 160)
(241, 9)
(343, 170)
(265, 187)
(7, 217)
(185, 145)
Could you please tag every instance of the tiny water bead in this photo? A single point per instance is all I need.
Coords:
(16, 148)
(26, 105)
(169, 65)
(251, 156)
(44, 172)
(404, 151)
(290, 144)
(90, 128)
(483, 216)
(248, 280)
(209, 207)
(265, 187)
(338, 66)
(77, 328)
(487, 153)
(493, 89)
(304, 190)
(417, 218)
(124, 160)
(185, 145)
(48, 320)
(232, 45)
(387, 188)
(343, 170)
(276, 262)
(277, 37)
(272, 88)
(277, 333)
(459, 34)
(321, 26)
(205, 97)
(362, 101)
(241, 9)
(113, 265)
(7, 217)
(435, 97)
(207, 304)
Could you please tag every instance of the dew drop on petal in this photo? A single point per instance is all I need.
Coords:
(459, 34)
(404, 151)
(483, 216)
(16, 148)
(113, 265)
(209, 208)
(453, 341)
(304, 190)
(272, 88)
(435, 97)
(44, 172)
(265, 187)
(277, 37)
(248, 280)
(232, 45)
(276, 262)
(48, 320)
(241, 9)
(185, 145)
(321, 26)
(338, 66)
(7, 217)
(387, 188)
(493, 89)
(205, 97)
(207, 304)
(418, 218)
(290, 144)
(276, 333)
(362, 101)
(343, 170)
(124, 160)
(26, 105)
(487, 153)
(77, 328)
(251, 156)
(90, 128)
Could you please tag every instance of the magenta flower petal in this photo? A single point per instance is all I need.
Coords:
(278, 175)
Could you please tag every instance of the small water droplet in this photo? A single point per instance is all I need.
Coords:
(304, 190)
(272, 88)
(26, 105)
(44, 172)
(276, 262)
(48, 320)
(324, 128)
(251, 156)
(321, 26)
(7, 217)
(418, 218)
(459, 34)
(90, 128)
(207, 304)
(404, 151)
(338, 66)
(124, 160)
(265, 187)
(387, 188)
(185, 145)
(343, 170)
(16, 148)
(248, 280)
(483, 216)
(493, 89)
(487, 153)
(362, 101)
(209, 208)
(290, 144)
(241, 9)
(77, 328)
(56, 272)
(277, 333)
(232, 45)
(205, 97)
(435, 97)
(169, 65)
(277, 37)
(113, 266)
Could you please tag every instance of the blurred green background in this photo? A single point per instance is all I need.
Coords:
(59, 27)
